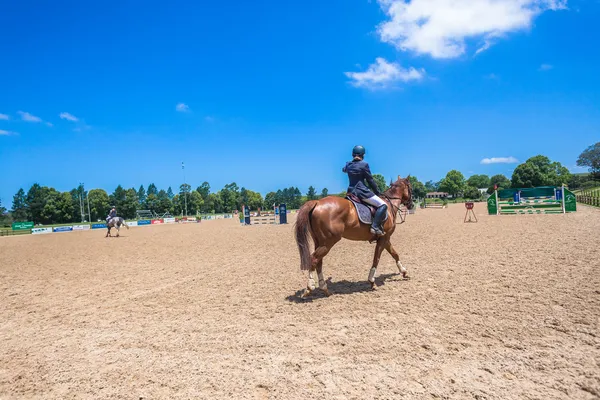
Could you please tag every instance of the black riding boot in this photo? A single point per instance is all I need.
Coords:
(376, 227)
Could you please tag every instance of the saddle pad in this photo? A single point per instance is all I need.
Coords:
(364, 213)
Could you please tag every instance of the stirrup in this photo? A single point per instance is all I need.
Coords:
(377, 232)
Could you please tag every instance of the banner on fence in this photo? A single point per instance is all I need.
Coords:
(132, 223)
(144, 222)
(157, 221)
(81, 227)
(98, 226)
(63, 228)
(39, 231)
(169, 220)
(22, 226)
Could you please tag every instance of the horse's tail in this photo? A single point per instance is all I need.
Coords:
(302, 231)
(125, 223)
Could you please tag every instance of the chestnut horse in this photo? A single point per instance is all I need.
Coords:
(330, 219)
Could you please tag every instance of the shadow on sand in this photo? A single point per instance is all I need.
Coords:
(343, 287)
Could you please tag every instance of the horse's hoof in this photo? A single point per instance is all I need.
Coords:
(305, 294)
(373, 287)
(327, 292)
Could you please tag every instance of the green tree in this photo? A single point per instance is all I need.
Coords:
(184, 197)
(152, 189)
(472, 192)
(118, 199)
(204, 190)
(453, 183)
(540, 171)
(99, 204)
(163, 204)
(230, 196)
(577, 180)
(36, 199)
(19, 206)
(324, 193)
(170, 193)
(431, 186)
(270, 199)
(498, 180)
(311, 194)
(418, 188)
(78, 196)
(479, 181)
(177, 209)
(252, 199)
(380, 181)
(152, 202)
(214, 203)
(141, 193)
(129, 207)
(3, 215)
(590, 158)
(194, 203)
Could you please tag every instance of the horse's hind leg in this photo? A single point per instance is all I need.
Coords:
(317, 264)
(322, 283)
(390, 249)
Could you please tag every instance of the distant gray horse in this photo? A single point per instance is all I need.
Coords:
(116, 223)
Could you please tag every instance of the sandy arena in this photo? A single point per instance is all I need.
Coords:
(507, 308)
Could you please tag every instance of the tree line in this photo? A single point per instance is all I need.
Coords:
(46, 205)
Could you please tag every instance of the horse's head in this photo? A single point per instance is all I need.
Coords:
(402, 190)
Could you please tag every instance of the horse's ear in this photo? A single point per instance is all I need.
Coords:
(408, 177)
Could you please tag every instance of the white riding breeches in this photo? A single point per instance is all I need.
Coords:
(374, 201)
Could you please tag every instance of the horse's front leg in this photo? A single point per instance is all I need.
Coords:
(390, 249)
(118, 230)
(378, 250)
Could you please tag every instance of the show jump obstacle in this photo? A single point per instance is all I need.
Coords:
(277, 216)
(539, 200)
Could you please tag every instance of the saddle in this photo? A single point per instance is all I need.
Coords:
(365, 211)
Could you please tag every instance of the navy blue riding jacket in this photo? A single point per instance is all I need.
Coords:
(358, 171)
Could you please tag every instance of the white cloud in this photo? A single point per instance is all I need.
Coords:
(382, 73)
(208, 118)
(7, 133)
(4, 117)
(68, 117)
(500, 160)
(182, 107)
(440, 28)
(25, 116)
(546, 67)
(50, 124)
(492, 76)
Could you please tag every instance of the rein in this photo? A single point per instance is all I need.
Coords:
(390, 198)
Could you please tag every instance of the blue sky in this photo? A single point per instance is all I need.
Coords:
(269, 94)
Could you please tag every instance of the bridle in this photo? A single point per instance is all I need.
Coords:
(390, 198)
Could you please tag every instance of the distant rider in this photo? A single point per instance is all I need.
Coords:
(111, 215)
(358, 171)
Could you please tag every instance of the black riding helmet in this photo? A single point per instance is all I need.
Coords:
(358, 151)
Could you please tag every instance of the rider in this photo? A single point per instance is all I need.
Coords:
(358, 171)
(112, 214)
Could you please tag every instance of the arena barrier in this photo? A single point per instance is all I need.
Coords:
(433, 205)
(539, 200)
(277, 216)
